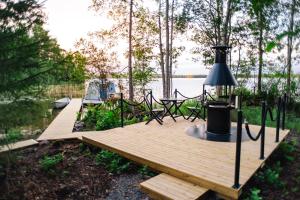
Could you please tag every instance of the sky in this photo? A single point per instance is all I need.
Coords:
(70, 20)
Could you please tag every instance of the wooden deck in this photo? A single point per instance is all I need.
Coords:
(170, 150)
(62, 126)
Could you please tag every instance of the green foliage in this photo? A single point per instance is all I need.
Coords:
(254, 194)
(133, 120)
(253, 116)
(102, 117)
(13, 135)
(49, 163)
(107, 120)
(72, 69)
(145, 171)
(272, 175)
(112, 161)
(287, 149)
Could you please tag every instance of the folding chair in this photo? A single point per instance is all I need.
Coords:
(153, 113)
(196, 111)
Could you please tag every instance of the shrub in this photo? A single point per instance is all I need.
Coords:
(254, 194)
(112, 161)
(287, 149)
(107, 120)
(272, 175)
(49, 162)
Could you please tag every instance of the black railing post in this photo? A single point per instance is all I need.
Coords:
(238, 150)
(151, 100)
(283, 111)
(122, 110)
(204, 110)
(263, 125)
(240, 101)
(278, 119)
(175, 95)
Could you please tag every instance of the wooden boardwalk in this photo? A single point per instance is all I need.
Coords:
(62, 126)
(170, 150)
(18, 145)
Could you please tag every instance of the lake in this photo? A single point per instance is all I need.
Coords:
(187, 86)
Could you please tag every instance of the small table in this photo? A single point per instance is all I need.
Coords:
(169, 103)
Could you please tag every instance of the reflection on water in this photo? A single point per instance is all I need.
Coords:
(28, 116)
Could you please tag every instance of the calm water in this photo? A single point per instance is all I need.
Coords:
(187, 86)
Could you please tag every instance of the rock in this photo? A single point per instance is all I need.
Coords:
(78, 126)
(43, 143)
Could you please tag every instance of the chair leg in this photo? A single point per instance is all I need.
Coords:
(192, 113)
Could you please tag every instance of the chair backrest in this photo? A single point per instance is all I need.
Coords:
(148, 103)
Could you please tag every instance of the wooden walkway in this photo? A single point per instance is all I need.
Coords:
(62, 126)
(170, 150)
(18, 145)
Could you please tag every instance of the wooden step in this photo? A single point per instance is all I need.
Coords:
(164, 186)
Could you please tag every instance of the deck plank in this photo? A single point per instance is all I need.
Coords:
(169, 149)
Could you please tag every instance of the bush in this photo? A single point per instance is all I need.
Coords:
(107, 120)
(112, 161)
(49, 162)
(102, 117)
(272, 175)
(254, 194)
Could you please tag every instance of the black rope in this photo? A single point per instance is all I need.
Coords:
(131, 104)
(260, 131)
(269, 109)
(187, 98)
(157, 101)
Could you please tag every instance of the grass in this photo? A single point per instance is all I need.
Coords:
(253, 116)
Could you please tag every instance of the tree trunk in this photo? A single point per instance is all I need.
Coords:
(260, 55)
(162, 62)
(167, 57)
(171, 47)
(226, 23)
(219, 22)
(131, 95)
(290, 47)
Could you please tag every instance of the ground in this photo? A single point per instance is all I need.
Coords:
(280, 177)
(76, 177)
(79, 177)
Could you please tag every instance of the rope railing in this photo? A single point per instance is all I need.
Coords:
(280, 120)
(187, 98)
(134, 104)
